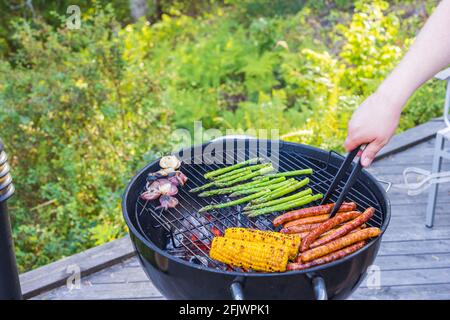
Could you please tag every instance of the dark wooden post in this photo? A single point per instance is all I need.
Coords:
(9, 276)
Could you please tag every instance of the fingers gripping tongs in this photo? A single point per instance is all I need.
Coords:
(340, 175)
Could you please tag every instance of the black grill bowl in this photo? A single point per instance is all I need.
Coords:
(177, 278)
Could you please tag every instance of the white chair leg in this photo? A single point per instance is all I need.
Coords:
(432, 195)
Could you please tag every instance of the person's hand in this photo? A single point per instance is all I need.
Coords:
(373, 123)
(376, 119)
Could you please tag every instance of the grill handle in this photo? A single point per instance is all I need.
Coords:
(320, 290)
(387, 183)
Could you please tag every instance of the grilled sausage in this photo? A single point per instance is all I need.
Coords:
(331, 231)
(308, 220)
(339, 243)
(311, 211)
(302, 234)
(327, 225)
(328, 258)
(300, 228)
(345, 229)
(335, 228)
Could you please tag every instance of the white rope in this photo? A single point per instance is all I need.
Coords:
(423, 179)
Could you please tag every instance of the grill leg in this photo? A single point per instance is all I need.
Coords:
(432, 195)
(320, 290)
(9, 277)
(237, 290)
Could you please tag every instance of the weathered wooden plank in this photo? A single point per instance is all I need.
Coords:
(412, 137)
(420, 157)
(143, 298)
(419, 202)
(401, 198)
(89, 261)
(425, 145)
(416, 230)
(417, 233)
(404, 277)
(409, 292)
(418, 261)
(397, 176)
(123, 275)
(124, 287)
(131, 290)
(396, 171)
(133, 262)
(399, 166)
(442, 211)
(414, 247)
(443, 74)
(124, 272)
(404, 222)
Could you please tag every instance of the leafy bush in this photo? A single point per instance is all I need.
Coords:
(82, 110)
(79, 120)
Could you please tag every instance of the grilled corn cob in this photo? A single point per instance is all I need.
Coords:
(250, 255)
(290, 242)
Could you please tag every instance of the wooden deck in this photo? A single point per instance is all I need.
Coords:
(414, 260)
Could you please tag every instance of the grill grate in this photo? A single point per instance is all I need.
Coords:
(190, 233)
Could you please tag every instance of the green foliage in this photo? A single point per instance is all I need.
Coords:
(82, 110)
(78, 118)
(427, 102)
(371, 49)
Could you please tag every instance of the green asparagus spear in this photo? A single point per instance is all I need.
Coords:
(235, 202)
(246, 171)
(259, 172)
(285, 206)
(229, 181)
(220, 171)
(295, 196)
(289, 173)
(270, 209)
(240, 171)
(291, 183)
(288, 182)
(259, 188)
(281, 191)
(233, 176)
(203, 187)
(221, 180)
(226, 190)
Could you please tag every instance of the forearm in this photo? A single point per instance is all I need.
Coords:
(429, 54)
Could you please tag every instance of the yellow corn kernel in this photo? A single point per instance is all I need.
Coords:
(249, 255)
(290, 241)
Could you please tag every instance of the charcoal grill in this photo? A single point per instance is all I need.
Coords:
(172, 246)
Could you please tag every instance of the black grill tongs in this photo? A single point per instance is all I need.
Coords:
(340, 175)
